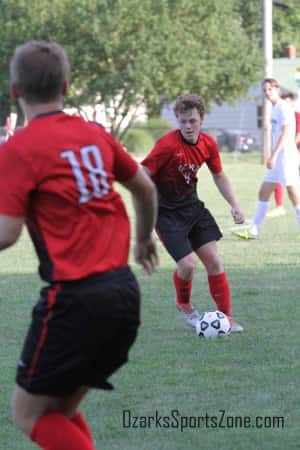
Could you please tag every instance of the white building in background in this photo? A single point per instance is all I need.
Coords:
(245, 115)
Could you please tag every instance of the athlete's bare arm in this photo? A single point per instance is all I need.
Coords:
(10, 230)
(224, 186)
(145, 204)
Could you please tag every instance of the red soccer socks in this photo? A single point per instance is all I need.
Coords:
(220, 292)
(56, 432)
(183, 290)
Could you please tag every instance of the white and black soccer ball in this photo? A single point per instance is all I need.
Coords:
(212, 324)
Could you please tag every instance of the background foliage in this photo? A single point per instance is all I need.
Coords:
(128, 53)
(286, 23)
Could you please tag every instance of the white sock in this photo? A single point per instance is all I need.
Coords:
(259, 215)
(297, 210)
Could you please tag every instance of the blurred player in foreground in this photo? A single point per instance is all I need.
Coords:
(185, 227)
(283, 163)
(57, 175)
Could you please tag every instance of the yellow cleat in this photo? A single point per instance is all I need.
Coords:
(246, 235)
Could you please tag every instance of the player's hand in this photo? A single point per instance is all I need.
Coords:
(237, 215)
(270, 162)
(146, 255)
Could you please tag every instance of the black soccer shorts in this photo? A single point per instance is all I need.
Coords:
(80, 333)
(185, 229)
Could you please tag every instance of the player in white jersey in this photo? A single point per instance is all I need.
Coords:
(283, 162)
(279, 209)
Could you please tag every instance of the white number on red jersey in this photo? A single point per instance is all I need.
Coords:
(92, 160)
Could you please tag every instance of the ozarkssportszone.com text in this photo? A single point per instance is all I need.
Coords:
(178, 421)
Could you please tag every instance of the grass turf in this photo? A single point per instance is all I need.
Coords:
(185, 392)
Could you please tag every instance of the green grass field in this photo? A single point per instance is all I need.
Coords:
(202, 394)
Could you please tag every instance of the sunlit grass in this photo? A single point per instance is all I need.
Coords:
(174, 374)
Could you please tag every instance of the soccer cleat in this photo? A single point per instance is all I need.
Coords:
(245, 234)
(276, 212)
(189, 314)
(235, 327)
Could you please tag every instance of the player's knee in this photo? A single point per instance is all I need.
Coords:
(262, 196)
(22, 420)
(293, 194)
(24, 415)
(265, 192)
(186, 269)
(214, 266)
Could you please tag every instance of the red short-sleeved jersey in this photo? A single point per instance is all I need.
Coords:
(174, 163)
(58, 173)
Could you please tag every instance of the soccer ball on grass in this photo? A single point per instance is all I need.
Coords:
(212, 324)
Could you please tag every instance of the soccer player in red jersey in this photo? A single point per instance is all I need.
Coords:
(185, 227)
(57, 175)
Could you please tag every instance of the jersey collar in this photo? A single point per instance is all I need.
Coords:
(50, 113)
